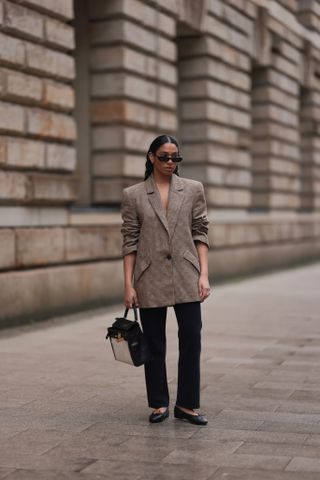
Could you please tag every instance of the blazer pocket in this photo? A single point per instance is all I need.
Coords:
(192, 259)
(141, 265)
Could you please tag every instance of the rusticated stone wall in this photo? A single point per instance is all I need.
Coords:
(37, 128)
(84, 88)
(133, 89)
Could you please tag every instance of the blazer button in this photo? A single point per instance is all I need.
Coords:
(168, 256)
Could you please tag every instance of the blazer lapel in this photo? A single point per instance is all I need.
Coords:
(155, 200)
(174, 202)
(176, 195)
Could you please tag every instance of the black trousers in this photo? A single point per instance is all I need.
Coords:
(153, 322)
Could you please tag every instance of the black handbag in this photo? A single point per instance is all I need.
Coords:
(127, 340)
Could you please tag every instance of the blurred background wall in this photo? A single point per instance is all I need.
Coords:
(84, 88)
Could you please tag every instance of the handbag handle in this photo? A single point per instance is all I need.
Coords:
(134, 311)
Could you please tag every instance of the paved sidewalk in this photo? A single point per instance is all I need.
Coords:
(69, 411)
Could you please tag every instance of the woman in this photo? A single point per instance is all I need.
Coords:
(165, 248)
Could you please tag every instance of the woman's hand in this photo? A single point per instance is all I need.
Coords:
(130, 297)
(204, 287)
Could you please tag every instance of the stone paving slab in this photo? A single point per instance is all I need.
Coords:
(69, 411)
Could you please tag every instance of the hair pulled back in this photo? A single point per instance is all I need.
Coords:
(155, 145)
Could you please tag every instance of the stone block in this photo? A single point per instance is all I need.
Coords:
(167, 120)
(132, 34)
(214, 111)
(286, 167)
(49, 62)
(21, 20)
(59, 34)
(167, 49)
(108, 137)
(13, 186)
(167, 97)
(279, 80)
(109, 111)
(276, 200)
(137, 139)
(215, 69)
(303, 465)
(63, 288)
(250, 9)
(105, 164)
(276, 148)
(116, 57)
(86, 243)
(52, 189)
(277, 231)
(271, 94)
(266, 128)
(207, 45)
(109, 56)
(217, 175)
(60, 157)
(3, 150)
(112, 164)
(50, 125)
(24, 153)
(276, 114)
(228, 197)
(291, 5)
(58, 95)
(133, 164)
(232, 37)
(60, 8)
(257, 258)
(15, 216)
(137, 88)
(1, 13)
(7, 248)
(2, 84)
(231, 16)
(149, 66)
(285, 66)
(274, 182)
(310, 20)
(108, 190)
(105, 138)
(11, 50)
(310, 111)
(137, 10)
(108, 85)
(218, 235)
(215, 154)
(205, 131)
(199, 88)
(279, 23)
(26, 88)
(39, 246)
(11, 117)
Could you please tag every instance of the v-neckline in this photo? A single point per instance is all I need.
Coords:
(165, 210)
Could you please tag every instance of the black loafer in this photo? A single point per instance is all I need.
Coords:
(157, 417)
(196, 419)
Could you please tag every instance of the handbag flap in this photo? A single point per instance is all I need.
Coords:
(124, 324)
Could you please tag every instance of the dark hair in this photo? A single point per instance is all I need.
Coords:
(155, 145)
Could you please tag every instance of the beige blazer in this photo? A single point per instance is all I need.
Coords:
(167, 265)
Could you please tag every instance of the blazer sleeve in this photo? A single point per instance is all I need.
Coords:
(130, 224)
(200, 222)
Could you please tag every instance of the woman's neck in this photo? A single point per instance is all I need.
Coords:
(161, 179)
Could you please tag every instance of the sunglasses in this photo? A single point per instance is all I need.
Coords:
(165, 158)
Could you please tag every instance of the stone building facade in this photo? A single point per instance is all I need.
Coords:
(86, 85)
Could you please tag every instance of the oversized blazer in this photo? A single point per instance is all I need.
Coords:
(167, 266)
